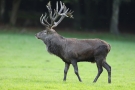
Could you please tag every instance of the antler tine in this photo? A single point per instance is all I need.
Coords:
(45, 19)
(69, 14)
(41, 20)
(62, 7)
(50, 12)
(55, 15)
(57, 6)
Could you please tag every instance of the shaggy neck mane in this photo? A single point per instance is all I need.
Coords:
(55, 44)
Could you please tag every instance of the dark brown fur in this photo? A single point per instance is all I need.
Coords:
(72, 50)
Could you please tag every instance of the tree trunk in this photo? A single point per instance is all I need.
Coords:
(15, 7)
(2, 10)
(115, 17)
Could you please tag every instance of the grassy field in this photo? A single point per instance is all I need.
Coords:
(26, 65)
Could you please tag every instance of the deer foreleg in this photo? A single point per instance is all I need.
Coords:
(74, 63)
(66, 70)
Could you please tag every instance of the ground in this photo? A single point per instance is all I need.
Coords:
(26, 64)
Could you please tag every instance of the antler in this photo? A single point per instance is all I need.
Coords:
(63, 12)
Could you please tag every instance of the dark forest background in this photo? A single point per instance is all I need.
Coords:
(114, 16)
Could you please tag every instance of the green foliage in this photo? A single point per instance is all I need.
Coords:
(26, 65)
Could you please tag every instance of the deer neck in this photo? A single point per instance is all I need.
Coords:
(55, 44)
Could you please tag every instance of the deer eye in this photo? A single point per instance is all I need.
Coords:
(45, 32)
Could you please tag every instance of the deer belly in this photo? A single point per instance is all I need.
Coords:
(88, 59)
(86, 55)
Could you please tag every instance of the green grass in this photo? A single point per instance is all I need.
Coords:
(26, 65)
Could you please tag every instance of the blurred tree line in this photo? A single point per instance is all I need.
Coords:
(88, 14)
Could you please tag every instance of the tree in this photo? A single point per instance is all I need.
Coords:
(15, 7)
(115, 16)
(2, 10)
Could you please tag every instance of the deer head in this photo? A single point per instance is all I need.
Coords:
(57, 14)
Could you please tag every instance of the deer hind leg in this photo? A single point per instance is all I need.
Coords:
(74, 63)
(100, 69)
(66, 70)
(108, 68)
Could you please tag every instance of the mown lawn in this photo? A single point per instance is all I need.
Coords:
(26, 65)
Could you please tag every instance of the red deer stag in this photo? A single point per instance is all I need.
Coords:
(72, 50)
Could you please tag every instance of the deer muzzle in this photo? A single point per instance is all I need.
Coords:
(36, 35)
